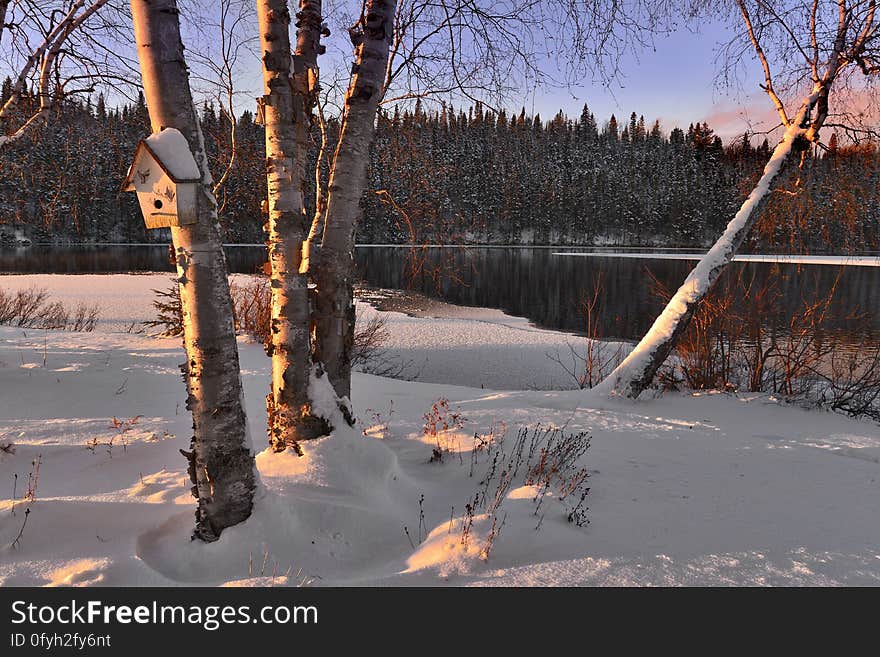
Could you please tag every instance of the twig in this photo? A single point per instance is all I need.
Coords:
(15, 543)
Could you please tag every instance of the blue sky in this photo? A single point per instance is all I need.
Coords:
(676, 83)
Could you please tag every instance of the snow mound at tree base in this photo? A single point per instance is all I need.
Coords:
(306, 521)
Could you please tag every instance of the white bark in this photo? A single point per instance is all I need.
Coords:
(334, 306)
(221, 458)
(286, 105)
(637, 370)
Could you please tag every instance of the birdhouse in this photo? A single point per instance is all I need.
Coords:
(166, 177)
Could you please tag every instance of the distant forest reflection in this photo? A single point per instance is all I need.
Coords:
(527, 282)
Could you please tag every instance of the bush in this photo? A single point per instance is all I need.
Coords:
(741, 339)
(252, 310)
(31, 308)
(544, 457)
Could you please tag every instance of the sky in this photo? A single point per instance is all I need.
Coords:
(674, 82)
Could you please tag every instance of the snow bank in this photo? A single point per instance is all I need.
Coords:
(705, 489)
(458, 345)
(121, 299)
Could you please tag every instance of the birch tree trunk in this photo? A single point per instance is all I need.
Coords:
(286, 107)
(4, 5)
(221, 461)
(638, 369)
(334, 302)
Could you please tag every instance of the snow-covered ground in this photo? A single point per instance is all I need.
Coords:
(685, 489)
(471, 346)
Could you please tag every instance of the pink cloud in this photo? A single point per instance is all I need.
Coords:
(730, 122)
(757, 114)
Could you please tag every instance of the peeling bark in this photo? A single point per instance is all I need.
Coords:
(221, 460)
(334, 304)
(289, 97)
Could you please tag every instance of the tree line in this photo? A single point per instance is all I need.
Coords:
(446, 175)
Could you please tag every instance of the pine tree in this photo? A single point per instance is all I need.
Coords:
(611, 131)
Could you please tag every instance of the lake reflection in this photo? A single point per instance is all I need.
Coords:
(549, 289)
(528, 282)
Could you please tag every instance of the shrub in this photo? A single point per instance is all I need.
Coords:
(252, 310)
(546, 458)
(598, 359)
(31, 308)
(741, 338)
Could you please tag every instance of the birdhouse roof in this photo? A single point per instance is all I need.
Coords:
(171, 151)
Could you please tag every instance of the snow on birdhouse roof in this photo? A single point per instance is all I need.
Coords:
(171, 150)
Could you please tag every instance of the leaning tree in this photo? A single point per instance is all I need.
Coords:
(811, 54)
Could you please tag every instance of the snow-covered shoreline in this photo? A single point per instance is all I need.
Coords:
(710, 489)
(439, 343)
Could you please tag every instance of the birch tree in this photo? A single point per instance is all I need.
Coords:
(425, 48)
(819, 45)
(221, 461)
(286, 107)
(428, 47)
(334, 302)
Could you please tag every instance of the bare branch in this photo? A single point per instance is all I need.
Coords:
(768, 77)
(59, 27)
